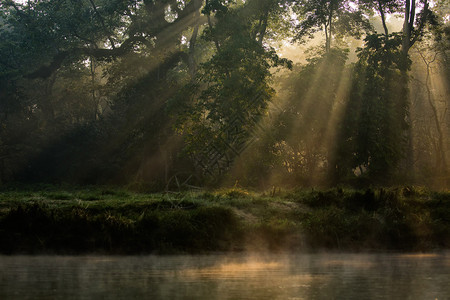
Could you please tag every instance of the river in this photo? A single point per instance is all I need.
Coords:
(224, 276)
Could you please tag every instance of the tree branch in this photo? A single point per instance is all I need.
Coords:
(412, 15)
(163, 32)
(103, 23)
(423, 21)
(383, 18)
(58, 59)
(75, 34)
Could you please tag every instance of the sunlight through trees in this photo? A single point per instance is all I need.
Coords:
(136, 92)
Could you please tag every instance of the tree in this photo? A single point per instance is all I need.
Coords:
(429, 104)
(330, 16)
(430, 138)
(376, 132)
(231, 90)
(59, 60)
(374, 125)
(383, 8)
(307, 118)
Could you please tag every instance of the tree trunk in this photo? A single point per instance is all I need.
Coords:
(383, 19)
(46, 103)
(407, 28)
(328, 34)
(94, 98)
(441, 162)
(404, 66)
(263, 28)
(192, 64)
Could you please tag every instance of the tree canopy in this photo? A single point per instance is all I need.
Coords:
(140, 92)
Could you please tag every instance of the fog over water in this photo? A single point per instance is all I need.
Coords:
(238, 276)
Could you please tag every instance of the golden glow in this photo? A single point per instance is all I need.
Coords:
(231, 270)
(430, 108)
(419, 255)
(312, 107)
(356, 264)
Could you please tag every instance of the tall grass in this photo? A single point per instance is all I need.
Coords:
(109, 220)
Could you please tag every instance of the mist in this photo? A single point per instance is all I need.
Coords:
(306, 276)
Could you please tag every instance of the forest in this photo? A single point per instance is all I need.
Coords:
(169, 94)
(191, 126)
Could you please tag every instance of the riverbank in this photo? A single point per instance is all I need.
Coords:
(71, 220)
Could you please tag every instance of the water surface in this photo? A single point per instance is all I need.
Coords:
(239, 276)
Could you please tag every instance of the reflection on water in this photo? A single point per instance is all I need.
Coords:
(301, 276)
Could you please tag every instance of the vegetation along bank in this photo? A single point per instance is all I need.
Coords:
(115, 221)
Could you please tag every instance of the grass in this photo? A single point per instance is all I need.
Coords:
(49, 219)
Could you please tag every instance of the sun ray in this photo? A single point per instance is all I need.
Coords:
(151, 161)
(328, 140)
(430, 107)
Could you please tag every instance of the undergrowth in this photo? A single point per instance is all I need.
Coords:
(109, 220)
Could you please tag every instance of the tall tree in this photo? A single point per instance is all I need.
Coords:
(46, 51)
(329, 16)
(383, 8)
(373, 127)
(379, 101)
(217, 112)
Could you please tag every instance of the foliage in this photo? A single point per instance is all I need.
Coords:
(294, 143)
(72, 68)
(335, 17)
(218, 111)
(374, 125)
(145, 93)
(52, 219)
(398, 218)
